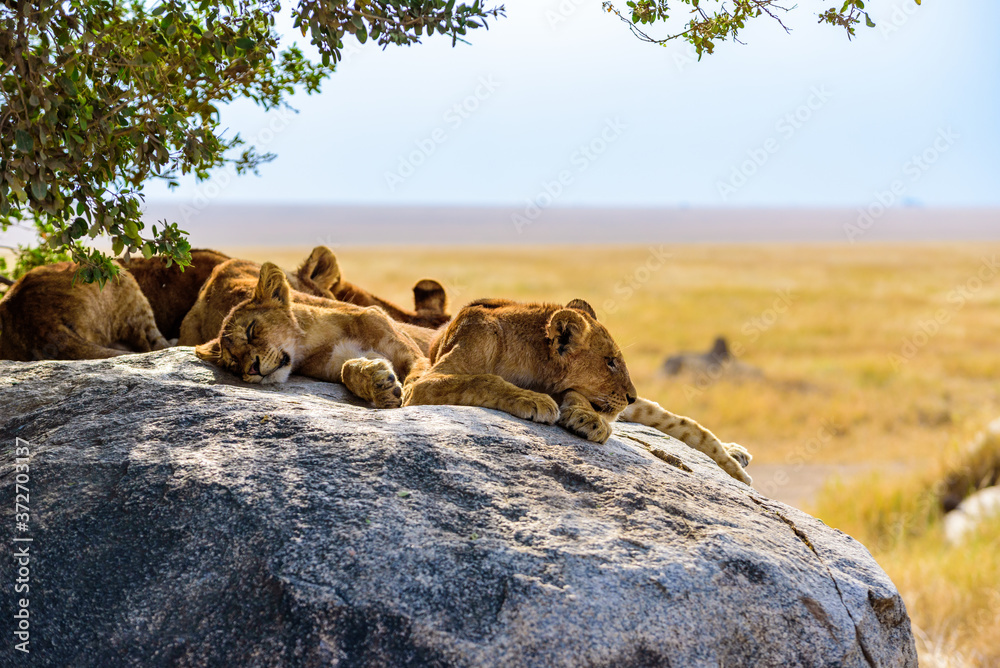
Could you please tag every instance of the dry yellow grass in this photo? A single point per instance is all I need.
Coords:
(878, 360)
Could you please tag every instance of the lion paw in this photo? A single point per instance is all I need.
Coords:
(374, 380)
(537, 407)
(739, 453)
(586, 424)
(387, 391)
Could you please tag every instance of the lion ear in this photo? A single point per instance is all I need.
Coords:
(210, 352)
(581, 305)
(321, 268)
(272, 287)
(429, 295)
(567, 330)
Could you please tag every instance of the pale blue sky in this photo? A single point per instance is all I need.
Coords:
(674, 129)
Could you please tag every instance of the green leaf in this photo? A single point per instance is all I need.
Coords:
(24, 142)
(245, 43)
(147, 250)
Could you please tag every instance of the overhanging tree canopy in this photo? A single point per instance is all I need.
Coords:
(98, 96)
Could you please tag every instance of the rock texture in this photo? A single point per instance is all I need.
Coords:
(182, 518)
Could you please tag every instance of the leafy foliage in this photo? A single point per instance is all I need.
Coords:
(99, 96)
(715, 21)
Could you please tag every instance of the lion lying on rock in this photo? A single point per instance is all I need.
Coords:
(269, 336)
(550, 364)
(44, 315)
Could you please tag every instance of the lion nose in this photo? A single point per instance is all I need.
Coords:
(630, 398)
(255, 367)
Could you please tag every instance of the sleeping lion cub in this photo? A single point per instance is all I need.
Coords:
(550, 364)
(269, 336)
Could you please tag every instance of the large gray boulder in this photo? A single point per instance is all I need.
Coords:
(180, 517)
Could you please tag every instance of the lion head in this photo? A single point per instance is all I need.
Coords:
(588, 359)
(260, 338)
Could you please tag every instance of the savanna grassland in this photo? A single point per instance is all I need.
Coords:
(879, 364)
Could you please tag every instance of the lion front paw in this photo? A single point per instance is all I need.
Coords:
(374, 380)
(535, 407)
(585, 424)
(387, 391)
(739, 453)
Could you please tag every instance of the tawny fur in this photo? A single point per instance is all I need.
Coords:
(270, 335)
(540, 362)
(171, 291)
(48, 315)
(550, 364)
(731, 457)
(315, 281)
(320, 275)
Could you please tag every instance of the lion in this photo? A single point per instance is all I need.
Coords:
(270, 335)
(550, 364)
(316, 282)
(48, 315)
(172, 291)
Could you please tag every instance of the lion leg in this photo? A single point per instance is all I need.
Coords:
(372, 379)
(395, 344)
(68, 345)
(143, 335)
(484, 390)
(578, 416)
(692, 434)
